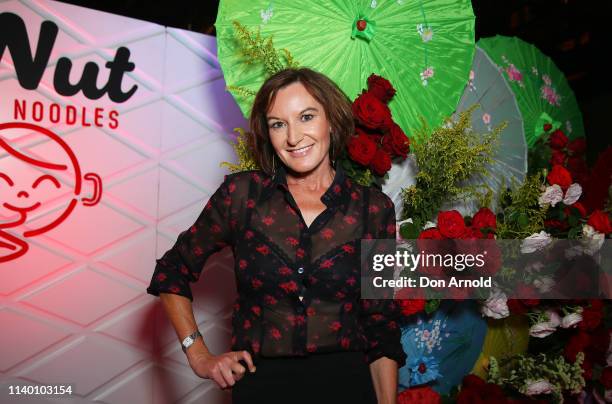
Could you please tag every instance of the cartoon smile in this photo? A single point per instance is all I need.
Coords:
(16, 209)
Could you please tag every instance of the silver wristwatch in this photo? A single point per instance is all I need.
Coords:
(189, 340)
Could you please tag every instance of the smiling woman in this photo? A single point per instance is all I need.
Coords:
(295, 227)
(296, 109)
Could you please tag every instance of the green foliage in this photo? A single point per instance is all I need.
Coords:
(519, 212)
(446, 159)
(519, 371)
(538, 156)
(257, 49)
(244, 153)
(361, 175)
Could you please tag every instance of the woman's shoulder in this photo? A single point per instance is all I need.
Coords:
(247, 176)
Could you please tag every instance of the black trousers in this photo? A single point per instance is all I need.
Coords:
(334, 378)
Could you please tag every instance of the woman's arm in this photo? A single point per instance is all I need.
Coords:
(180, 313)
(384, 377)
(385, 353)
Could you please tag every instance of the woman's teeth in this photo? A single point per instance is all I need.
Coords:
(301, 152)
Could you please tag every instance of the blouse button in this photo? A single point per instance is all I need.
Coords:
(301, 270)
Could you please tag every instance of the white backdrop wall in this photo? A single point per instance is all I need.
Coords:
(73, 305)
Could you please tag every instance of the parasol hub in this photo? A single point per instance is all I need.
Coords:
(361, 25)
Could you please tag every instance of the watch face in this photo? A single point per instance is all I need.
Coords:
(188, 341)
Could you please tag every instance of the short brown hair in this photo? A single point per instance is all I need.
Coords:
(336, 104)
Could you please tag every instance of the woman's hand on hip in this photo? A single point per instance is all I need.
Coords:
(224, 369)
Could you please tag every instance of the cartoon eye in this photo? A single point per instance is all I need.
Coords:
(46, 177)
(7, 179)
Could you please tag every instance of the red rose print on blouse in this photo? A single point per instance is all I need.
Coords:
(299, 286)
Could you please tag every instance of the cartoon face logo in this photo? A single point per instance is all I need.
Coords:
(28, 182)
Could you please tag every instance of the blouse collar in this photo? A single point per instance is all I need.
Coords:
(338, 194)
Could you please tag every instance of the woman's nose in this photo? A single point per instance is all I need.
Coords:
(293, 136)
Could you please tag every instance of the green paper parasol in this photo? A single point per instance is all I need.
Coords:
(424, 49)
(541, 89)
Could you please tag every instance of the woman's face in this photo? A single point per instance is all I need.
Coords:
(299, 129)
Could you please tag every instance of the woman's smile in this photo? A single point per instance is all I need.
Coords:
(301, 152)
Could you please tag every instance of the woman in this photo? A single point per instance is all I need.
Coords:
(295, 228)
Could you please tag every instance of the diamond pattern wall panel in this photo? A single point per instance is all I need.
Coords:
(73, 306)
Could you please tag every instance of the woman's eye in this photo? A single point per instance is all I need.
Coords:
(310, 116)
(275, 126)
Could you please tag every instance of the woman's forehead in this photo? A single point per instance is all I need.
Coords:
(293, 99)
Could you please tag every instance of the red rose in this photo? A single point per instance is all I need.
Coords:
(419, 395)
(451, 224)
(528, 295)
(493, 261)
(577, 146)
(431, 233)
(577, 164)
(412, 306)
(591, 318)
(578, 168)
(599, 341)
(516, 306)
(577, 343)
(473, 381)
(432, 247)
(396, 143)
(557, 157)
(606, 377)
(374, 135)
(484, 218)
(474, 391)
(587, 369)
(560, 176)
(381, 163)
(598, 183)
(555, 224)
(558, 140)
(381, 88)
(581, 208)
(371, 112)
(361, 149)
(600, 222)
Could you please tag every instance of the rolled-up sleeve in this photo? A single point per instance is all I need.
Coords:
(380, 317)
(211, 232)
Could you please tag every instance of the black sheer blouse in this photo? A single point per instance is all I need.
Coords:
(298, 286)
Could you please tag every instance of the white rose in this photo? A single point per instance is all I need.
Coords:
(592, 239)
(574, 251)
(551, 196)
(535, 387)
(544, 284)
(572, 194)
(535, 242)
(534, 267)
(541, 330)
(571, 320)
(429, 225)
(496, 305)
(553, 318)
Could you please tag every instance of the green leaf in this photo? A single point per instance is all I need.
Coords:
(432, 305)
(409, 231)
(523, 220)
